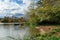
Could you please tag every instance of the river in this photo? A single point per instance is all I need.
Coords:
(12, 32)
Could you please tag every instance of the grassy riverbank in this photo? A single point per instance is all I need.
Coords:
(44, 20)
(45, 33)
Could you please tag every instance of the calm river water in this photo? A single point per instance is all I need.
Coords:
(12, 32)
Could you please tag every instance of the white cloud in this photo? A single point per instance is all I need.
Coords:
(7, 7)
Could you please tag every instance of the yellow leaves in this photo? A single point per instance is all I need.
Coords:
(45, 12)
(30, 19)
(48, 5)
(32, 11)
(45, 8)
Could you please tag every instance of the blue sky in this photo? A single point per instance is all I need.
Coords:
(12, 7)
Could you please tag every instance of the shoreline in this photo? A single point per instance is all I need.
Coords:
(10, 23)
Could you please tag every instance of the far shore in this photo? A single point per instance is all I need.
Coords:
(10, 23)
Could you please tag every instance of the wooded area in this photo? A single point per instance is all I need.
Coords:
(46, 12)
(44, 17)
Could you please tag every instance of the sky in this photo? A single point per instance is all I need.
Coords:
(11, 7)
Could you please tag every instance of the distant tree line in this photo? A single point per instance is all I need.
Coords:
(12, 20)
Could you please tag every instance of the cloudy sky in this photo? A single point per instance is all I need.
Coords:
(11, 7)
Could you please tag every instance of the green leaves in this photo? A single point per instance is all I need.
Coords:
(49, 11)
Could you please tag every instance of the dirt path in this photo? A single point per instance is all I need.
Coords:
(46, 29)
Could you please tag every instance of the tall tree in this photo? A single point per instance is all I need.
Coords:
(47, 10)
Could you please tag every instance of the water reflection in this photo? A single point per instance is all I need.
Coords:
(14, 31)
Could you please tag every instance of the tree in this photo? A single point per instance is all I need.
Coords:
(47, 10)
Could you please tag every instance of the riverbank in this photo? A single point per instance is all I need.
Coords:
(47, 29)
(11, 23)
